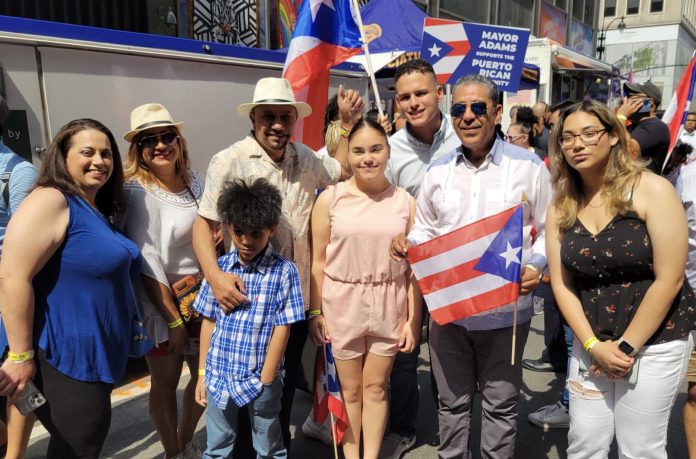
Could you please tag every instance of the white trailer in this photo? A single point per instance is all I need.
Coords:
(58, 72)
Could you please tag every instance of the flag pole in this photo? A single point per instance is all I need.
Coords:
(333, 435)
(514, 332)
(368, 60)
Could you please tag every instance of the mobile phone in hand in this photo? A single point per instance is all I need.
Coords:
(30, 399)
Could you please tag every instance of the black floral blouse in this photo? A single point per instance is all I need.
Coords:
(611, 272)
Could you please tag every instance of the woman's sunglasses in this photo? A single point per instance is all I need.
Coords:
(151, 141)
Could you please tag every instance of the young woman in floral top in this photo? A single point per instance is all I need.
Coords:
(616, 248)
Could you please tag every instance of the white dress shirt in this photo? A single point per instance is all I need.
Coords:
(454, 193)
(686, 189)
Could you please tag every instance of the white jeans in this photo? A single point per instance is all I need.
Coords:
(638, 414)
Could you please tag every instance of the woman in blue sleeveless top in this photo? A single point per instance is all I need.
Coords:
(66, 294)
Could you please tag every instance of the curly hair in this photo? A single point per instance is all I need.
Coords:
(136, 169)
(54, 171)
(620, 175)
(250, 206)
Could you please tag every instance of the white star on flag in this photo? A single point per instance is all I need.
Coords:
(510, 255)
(434, 51)
(314, 5)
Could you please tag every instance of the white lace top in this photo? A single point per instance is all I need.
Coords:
(161, 224)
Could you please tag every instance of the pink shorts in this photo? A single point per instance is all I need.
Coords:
(364, 317)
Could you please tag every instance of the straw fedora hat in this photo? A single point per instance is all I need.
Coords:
(149, 116)
(274, 91)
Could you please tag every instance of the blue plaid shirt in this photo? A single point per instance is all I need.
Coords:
(240, 339)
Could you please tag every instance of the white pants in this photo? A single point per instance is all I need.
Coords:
(638, 414)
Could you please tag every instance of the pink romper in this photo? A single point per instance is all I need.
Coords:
(364, 292)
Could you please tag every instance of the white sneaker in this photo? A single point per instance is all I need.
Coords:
(394, 445)
(551, 416)
(313, 429)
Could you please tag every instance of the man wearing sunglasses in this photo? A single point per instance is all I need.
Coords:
(482, 177)
(427, 135)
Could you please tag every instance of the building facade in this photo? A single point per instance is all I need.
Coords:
(657, 42)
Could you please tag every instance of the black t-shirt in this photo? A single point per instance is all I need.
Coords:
(652, 135)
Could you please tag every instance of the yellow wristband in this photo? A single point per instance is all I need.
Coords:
(21, 357)
(176, 323)
(313, 313)
(345, 132)
(622, 118)
(590, 343)
(201, 372)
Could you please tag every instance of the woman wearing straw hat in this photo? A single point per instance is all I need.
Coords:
(161, 202)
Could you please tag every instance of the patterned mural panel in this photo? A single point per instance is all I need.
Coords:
(226, 21)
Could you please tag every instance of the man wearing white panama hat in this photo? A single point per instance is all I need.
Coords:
(297, 172)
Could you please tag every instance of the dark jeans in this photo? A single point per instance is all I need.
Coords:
(293, 373)
(77, 414)
(556, 350)
(403, 393)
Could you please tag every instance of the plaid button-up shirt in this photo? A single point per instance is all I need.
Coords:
(240, 339)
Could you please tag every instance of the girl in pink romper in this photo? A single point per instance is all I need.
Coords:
(370, 304)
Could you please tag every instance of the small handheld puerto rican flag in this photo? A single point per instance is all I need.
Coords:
(327, 394)
(473, 268)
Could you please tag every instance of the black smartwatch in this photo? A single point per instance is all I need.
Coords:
(626, 348)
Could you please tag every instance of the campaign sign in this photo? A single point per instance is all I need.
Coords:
(455, 49)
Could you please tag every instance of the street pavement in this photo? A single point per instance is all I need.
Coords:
(132, 433)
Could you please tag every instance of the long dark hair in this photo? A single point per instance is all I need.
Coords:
(54, 171)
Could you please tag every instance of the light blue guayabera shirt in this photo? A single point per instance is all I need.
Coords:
(22, 179)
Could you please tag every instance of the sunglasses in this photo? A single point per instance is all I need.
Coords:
(151, 141)
(513, 138)
(477, 108)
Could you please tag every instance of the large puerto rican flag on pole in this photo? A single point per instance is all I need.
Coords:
(472, 269)
(325, 35)
(444, 45)
(678, 106)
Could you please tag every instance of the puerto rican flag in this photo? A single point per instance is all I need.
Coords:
(325, 35)
(327, 393)
(472, 269)
(678, 108)
(444, 45)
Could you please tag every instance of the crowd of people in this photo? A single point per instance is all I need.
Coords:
(280, 244)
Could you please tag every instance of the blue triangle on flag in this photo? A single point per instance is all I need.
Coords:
(432, 49)
(503, 256)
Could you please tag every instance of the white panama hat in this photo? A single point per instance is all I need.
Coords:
(149, 116)
(274, 91)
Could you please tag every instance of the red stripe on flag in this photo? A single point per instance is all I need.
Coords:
(492, 299)
(435, 21)
(459, 48)
(318, 99)
(460, 236)
(442, 78)
(452, 276)
(303, 68)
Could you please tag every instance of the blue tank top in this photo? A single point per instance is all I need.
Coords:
(84, 299)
